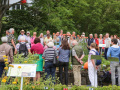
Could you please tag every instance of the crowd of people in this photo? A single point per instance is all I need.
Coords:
(61, 46)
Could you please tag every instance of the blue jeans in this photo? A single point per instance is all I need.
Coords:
(50, 69)
(2, 65)
(106, 49)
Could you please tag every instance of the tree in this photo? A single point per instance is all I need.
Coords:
(4, 6)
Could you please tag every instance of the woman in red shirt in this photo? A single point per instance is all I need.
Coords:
(37, 48)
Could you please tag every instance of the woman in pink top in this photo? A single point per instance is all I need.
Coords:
(33, 38)
(37, 48)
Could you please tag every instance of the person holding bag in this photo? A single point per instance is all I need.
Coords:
(64, 54)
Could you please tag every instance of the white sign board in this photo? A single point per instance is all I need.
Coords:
(22, 70)
(102, 45)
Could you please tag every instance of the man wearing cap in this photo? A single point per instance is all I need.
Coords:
(28, 37)
(22, 34)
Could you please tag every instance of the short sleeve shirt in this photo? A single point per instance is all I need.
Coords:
(10, 37)
(18, 45)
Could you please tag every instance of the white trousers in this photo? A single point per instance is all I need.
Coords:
(92, 76)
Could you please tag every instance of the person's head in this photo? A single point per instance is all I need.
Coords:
(68, 34)
(95, 35)
(92, 46)
(37, 40)
(114, 41)
(22, 32)
(4, 39)
(91, 36)
(22, 39)
(28, 33)
(61, 31)
(48, 35)
(111, 37)
(73, 33)
(107, 35)
(83, 33)
(115, 37)
(50, 44)
(65, 45)
(34, 33)
(101, 35)
(11, 30)
(41, 34)
(104, 37)
(48, 31)
(57, 34)
(74, 42)
(7, 32)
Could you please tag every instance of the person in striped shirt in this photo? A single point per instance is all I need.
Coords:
(48, 55)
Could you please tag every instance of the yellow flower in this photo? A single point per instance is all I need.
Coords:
(11, 66)
(19, 66)
(6, 68)
(5, 77)
(33, 87)
(25, 61)
(5, 60)
(6, 63)
(4, 80)
(4, 56)
(14, 82)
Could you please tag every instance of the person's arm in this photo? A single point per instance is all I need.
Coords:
(15, 51)
(108, 53)
(11, 55)
(93, 62)
(12, 41)
(29, 51)
(43, 56)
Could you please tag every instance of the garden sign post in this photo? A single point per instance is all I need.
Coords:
(101, 46)
(22, 70)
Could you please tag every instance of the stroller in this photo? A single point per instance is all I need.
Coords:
(105, 78)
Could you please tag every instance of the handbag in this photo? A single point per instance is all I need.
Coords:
(55, 61)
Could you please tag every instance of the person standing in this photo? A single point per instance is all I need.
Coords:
(28, 38)
(107, 42)
(114, 51)
(64, 55)
(92, 68)
(41, 38)
(101, 41)
(90, 40)
(22, 47)
(4, 47)
(96, 38)
(12, 39)
(49, 55)
(33, 38)
(7, 33)
(22, 34)
(47, 32)
(77, 56)
(37, 48)
(47, 39)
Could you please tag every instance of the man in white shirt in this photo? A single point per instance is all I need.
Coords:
(107, 42)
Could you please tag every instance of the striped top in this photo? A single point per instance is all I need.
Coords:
(49, 54)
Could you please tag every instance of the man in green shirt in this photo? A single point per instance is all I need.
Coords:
(77, 56)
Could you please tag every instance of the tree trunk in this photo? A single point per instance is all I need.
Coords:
(0, 26)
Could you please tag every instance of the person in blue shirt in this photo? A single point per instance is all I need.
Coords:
(114, 51)
(22, 34)
(64, 55)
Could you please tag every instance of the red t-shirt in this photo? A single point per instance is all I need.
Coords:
(37, 48)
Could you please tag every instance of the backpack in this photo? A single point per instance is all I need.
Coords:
(98, 62)
(2, 54)
(23, 49)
